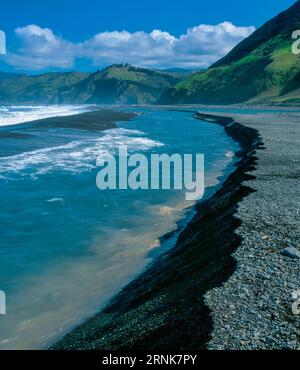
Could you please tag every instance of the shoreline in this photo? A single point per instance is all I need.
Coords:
(85, 121)
(165, 303)
(253, 308)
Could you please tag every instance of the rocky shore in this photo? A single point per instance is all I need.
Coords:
(228, 283)
(253, 309)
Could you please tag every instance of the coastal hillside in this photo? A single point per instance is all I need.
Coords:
(261, 69)
(7, 76)
(117, 84)
(49, 88)
(124, 84)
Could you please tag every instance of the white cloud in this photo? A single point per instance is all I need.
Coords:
(139, 48)
(205, 44)
(41, 49)
(200, 46)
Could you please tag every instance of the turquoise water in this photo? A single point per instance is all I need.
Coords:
(66, 247)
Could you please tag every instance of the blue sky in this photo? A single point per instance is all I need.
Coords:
(65, 35)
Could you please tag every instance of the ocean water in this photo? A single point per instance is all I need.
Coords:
(13, 114)
(66, 247)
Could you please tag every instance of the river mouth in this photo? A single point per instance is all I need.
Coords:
(67, 247)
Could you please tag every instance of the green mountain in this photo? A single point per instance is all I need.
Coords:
(181, 71)
(49, 88)
(261, 69)
(117, 84)
(7, 76)
(124, 84)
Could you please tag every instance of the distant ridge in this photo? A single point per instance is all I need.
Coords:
(48, 88)
(124, 84)
(117, 84)
(7, 75)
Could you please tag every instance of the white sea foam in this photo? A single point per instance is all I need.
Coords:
(15, 114)
(230, 154)
(74, 157)
(55, 200)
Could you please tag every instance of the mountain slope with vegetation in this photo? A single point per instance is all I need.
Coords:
(117, 84)
(261, 69)
(124, 84)
(7, 76)
(49, 88)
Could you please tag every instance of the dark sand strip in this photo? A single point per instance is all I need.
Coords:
(164, 308)
(97, 120)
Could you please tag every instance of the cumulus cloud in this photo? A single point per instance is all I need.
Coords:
(199, 47)
(139, 48)
(42, 49)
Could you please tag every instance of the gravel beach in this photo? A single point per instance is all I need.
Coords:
(230, 282)
(253, 309)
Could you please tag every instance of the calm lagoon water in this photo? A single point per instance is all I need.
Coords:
(66, 247)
